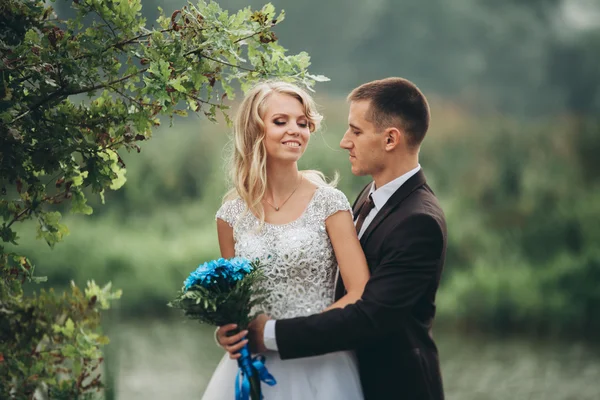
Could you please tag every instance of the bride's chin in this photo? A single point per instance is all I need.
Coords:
(284, 159)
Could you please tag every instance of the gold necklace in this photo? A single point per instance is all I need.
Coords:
(281, 205)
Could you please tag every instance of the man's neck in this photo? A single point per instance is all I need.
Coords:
(394, 171)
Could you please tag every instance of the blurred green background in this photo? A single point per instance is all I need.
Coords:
(512, 153)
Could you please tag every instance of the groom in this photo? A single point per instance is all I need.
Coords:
(402, 231)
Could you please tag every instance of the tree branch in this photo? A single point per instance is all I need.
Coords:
(125, 95)
(16, 218)
(249, 36)
(40, 103)
(107, 84)
(62, 93)
(107, 24)
(23, 78)
(219, 61)
(201, 100)
(122, 43)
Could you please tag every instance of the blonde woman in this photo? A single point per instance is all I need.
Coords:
(301, 228)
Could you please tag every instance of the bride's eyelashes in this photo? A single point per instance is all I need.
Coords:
(279, 122)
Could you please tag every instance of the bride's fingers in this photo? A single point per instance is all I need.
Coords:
(234, 349)
(230, 340)
(222, 331)
(222, 334)
(227, 328)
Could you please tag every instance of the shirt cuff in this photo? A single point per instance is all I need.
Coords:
(269, 335)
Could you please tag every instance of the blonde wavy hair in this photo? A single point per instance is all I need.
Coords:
(248, 160)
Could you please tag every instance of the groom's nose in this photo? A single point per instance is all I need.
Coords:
(345, 143)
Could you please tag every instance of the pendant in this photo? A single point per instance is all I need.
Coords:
(276, 208)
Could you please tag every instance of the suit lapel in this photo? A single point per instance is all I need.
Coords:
(412, 184)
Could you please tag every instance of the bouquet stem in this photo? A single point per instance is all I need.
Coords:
(255, 392)
(251, 375)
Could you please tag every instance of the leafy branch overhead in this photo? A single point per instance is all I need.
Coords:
(75, 92)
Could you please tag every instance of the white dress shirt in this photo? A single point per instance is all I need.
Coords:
(380, 197)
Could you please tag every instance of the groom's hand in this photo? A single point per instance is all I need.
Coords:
(256, 332)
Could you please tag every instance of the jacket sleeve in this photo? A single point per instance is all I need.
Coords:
(410, 263)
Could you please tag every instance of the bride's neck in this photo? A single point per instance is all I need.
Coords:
(281, 180)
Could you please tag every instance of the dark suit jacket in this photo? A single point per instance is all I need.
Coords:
(390, 327)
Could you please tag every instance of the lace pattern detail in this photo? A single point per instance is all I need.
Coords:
(298, 258)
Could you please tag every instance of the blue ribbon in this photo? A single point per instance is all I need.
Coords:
(246, 363)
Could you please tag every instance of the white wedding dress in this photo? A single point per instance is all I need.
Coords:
(301, 268)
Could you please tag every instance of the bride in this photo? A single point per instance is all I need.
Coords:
(301, 229)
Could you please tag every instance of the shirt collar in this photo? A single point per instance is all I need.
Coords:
(383, 194)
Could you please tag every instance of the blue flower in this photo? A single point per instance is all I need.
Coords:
(223, 271)
(239, 267)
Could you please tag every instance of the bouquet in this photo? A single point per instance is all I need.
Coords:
(224, 291)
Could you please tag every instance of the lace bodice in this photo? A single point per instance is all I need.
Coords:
(298, 258)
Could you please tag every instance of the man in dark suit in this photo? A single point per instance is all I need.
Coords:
(402, 231)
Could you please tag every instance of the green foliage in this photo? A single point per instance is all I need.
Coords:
(75, 95)
(53, 341)
(522, 225)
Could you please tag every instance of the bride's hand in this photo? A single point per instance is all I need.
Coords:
(232, 344)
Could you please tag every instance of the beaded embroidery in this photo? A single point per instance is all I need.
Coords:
(298, 258)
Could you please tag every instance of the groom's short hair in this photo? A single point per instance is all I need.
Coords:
(395, 102)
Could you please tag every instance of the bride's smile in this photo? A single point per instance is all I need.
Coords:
(287, 129)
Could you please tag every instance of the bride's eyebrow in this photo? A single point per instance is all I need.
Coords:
(279, 115)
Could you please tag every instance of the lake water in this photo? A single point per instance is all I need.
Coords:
(172, 360)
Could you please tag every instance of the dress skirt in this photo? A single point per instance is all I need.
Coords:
(331, 376)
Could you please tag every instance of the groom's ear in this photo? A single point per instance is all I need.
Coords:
(393, 138)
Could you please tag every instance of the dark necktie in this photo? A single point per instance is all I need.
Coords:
(364, 211)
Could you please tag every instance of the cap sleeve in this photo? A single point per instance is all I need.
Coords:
(333, 200)
(230, 211)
